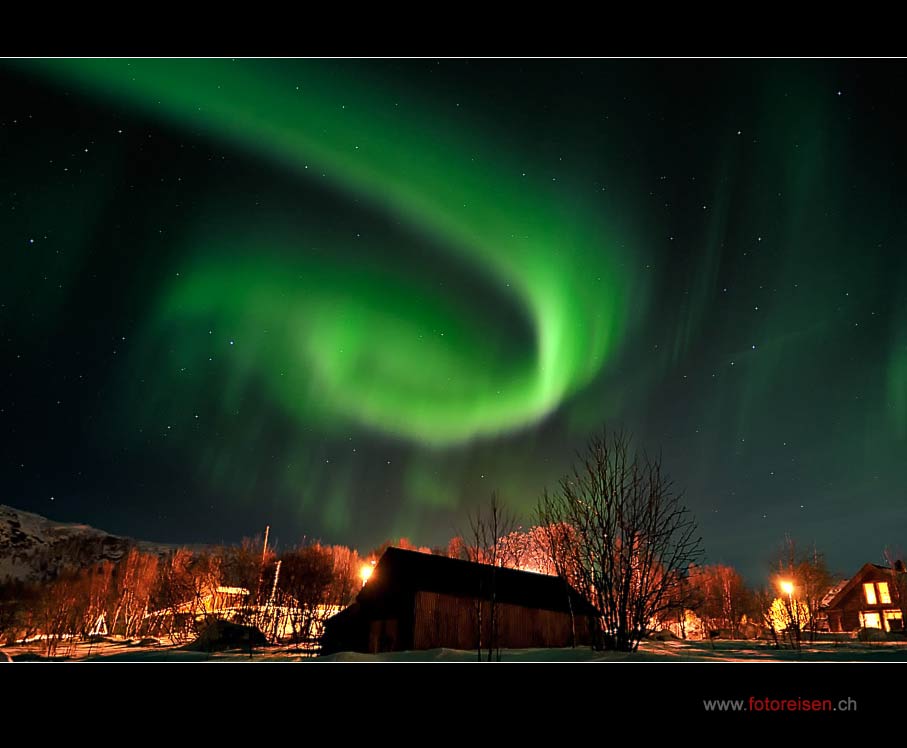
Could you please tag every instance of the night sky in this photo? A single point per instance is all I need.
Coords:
(351, 298)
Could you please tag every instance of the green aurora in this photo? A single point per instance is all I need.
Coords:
(350, 298)
(373, 344)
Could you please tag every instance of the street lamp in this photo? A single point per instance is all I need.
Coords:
(788, 588)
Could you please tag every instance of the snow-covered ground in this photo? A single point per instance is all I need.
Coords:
(650, 651)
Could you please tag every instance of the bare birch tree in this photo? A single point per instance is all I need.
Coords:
(631, 539)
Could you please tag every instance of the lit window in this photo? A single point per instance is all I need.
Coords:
(871, 620)
(884, 595)
(894, 620)
(870, 591)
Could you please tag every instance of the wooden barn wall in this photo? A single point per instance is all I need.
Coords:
(449, 621)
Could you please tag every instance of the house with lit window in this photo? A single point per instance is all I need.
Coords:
(869, 599)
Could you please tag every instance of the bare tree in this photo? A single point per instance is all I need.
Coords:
(805, 580)
(248, 571)
(458, 548)
(722, 597)
(630, 541)
(542, 552)
(61, 609)
(306, 577)
(895, 560)
(346, 580)
(487, 531)
(405, 543)
(133, 585)
(764, 600)
(683, 604)
(186, 593)
(98, 589)
(17, 606)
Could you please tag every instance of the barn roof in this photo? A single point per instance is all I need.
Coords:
(400, 571)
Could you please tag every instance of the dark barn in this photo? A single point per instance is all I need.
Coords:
(419, 601)
(869, 599)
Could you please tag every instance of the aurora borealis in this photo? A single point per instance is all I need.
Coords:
(350, 298)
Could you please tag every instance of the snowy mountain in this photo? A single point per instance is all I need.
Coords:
(33, 547)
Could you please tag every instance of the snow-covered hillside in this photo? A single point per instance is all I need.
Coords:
(33, 547)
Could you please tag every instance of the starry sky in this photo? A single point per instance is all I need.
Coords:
(350, 298)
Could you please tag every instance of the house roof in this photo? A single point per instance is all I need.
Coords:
(837, 594)
(833, 593)
(400, 570)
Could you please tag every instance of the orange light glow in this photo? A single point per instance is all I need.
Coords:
(366, 572)
(787, 588)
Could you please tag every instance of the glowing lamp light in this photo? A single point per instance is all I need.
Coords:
(787, 588)
(366, 572)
